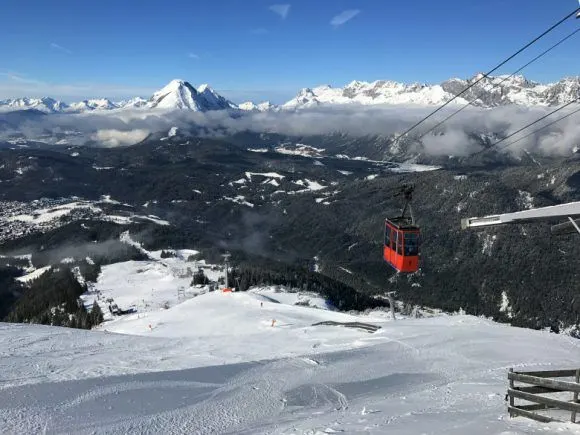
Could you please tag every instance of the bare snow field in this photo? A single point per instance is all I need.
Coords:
(214, 364)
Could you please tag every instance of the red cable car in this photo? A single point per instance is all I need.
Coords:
(402, 237)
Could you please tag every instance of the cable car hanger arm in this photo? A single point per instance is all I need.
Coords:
(568, 210)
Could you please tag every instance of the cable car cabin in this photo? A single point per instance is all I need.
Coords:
(401, 247)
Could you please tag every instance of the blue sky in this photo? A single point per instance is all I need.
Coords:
(255, 49)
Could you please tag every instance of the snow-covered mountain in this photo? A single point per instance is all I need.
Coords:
(89, 105)
(378, 92)
(181, 95)
(213, 100)
(47, 105)
(176, 95)
(489, 92)
(261, 107)
(133, 103)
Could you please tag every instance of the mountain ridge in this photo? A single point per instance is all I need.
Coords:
(493, 91)
(488, 93)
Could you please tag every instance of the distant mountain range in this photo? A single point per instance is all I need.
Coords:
(489, 92)
(176, 95)
(181, 95)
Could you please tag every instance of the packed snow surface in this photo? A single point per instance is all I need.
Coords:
(215, 364)
(261, 361)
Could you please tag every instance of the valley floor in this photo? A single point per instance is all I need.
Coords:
(215, 364)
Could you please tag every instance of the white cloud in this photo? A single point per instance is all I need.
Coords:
(18, 77)
(460, 136)
(281, 10)
(115, 138)
(193, 56)
(453, 142)
(343, 17)
(558, 142)
(457, 138)
(55, 46)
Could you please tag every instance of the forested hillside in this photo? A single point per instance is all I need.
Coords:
(275, 212)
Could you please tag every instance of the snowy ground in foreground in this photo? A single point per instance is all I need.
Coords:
(440, 375)
(213, 363)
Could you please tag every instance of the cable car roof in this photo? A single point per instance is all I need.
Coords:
(402, 223)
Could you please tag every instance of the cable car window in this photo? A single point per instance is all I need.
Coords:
(387, 236)
(399, 243)
(411, 244)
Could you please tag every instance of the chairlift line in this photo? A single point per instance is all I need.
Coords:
(575, 12)
(469, 103)
(539, 129)
(526, 126)
(401, 234)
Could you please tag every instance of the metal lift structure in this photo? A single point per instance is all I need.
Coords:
(570, 211)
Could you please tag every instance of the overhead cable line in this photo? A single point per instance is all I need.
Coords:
(539, 129)
(469, 103)
(523, 128)
(536, 39)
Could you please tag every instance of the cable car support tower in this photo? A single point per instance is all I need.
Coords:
(227, 287)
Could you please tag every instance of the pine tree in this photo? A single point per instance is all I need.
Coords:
(96, 314)
(199, 278)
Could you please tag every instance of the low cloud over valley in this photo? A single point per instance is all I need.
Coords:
(460, 136)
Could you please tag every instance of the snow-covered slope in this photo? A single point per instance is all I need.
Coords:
(262, 361)
(440, 375)
(212, 318)
(214, 101)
